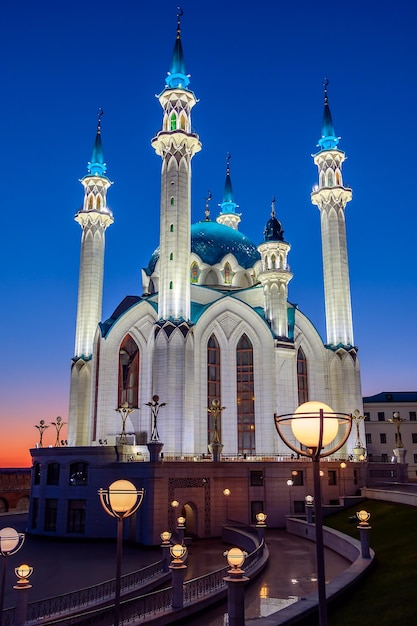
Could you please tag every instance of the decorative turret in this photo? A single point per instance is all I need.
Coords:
(93, 218)
(331, 198)
(228, 215)
(275, 275)
(176, 144)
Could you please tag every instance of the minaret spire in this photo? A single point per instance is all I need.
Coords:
(94, 218)
(275, 275)
(331, 198)
(176, 144)
(228, 215)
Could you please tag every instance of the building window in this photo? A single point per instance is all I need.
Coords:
(367, 416)
(302, 380)
(381, 416)
(52, 474)
(256, 478)
(384, 457)
(171, 284)
(51, 509)
(227, 274)
(37, 474)
(415, 458)
(171, 228)
(173, 122)
(78, 474)
(182, 122)
(382, 438)
(128, 372)
(213, 384)
(332, 476)
(171, 256)
(76, 516)
(412, 416)
(256, 506)
(172, 201)
(414, 437)
(194, 272)
(245, 397)
(368, 438)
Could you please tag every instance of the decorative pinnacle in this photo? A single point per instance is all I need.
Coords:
(325, 85)
(228, 157)
(273, 206)
(179, 14)
(100, 114)
(207, 212)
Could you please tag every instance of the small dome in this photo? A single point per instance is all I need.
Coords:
(273, 230)
(212, 241)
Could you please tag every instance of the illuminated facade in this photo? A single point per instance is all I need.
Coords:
(214, 320)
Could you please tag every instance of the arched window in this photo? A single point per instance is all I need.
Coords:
(171, 284)
(36, 474)
(273, 262)
(213, 383)
(171, 228)
(338, 178)
(302, 379)
(245, 397)
(128, 372)
(194, 272)
(98, 203)
(90, 203)
(52, 474)
(330, 178)
(78, 474)
(173, 122)
(227, 274)
(172, 201)
(171, 256)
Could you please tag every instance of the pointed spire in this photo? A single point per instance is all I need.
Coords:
(273, 228)
(177, 78)
(328, 139)
(97, 166)
(207, 211)
(228, 205)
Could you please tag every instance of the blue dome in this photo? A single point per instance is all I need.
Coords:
(212, 241)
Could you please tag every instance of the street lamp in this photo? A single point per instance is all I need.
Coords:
(10, 542)
(120, 500)
(315, 429)
(290, 484)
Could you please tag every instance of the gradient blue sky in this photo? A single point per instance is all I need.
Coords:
(258, 70)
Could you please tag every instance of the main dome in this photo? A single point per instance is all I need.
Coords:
(212, 241)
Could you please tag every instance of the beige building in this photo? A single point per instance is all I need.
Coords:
(386, 414)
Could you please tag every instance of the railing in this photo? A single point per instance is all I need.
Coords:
(142, 608)
(79, 600)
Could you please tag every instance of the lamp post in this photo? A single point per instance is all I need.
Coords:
(309, 503)
(260, 525)
(236, 586)
(314, 427)
(120, 500)
(10, 542)
(178, 568)
(343, 466)
(181, 528)
(364, 527)
(226, 493)
(23, 572)
(290, 484)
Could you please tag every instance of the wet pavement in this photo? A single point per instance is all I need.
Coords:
(62, 566)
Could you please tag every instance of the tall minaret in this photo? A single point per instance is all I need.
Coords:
(94, 218)
(176, 144)
(228, 215)
(331, 198)
(275, 275)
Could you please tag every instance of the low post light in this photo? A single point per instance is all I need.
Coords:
(309, 503)
(236, 586)
(290, 484)
(165, 546)
(120, 500)
(313, 431)
(23, 572)
(226, 493)
(10, 542)
(178, 568)
(343, 466)
(364, 527)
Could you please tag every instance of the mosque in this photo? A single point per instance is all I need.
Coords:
(209, 352)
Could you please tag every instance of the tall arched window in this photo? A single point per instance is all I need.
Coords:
(245, 397)
(227, 274)
(194, 272)
(173, 121)
(302, 379)
(128, 372)
(213, 382)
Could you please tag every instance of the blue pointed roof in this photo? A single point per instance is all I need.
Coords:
(328, 139)
(97, 166)
(177, 78)
(228, 205)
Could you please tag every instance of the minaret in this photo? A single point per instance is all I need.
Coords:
(94, 218)
(275, 275)
(228, 215)
(176, 144)
(331, 198)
